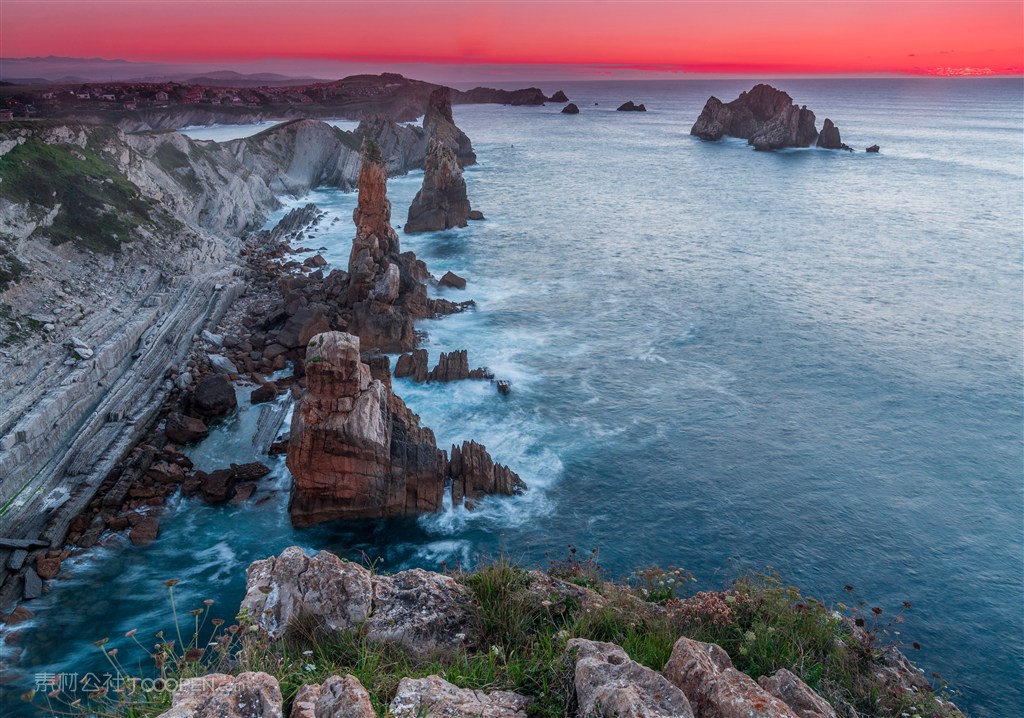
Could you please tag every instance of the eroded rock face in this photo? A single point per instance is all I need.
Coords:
(715, 688)
(796, 694)
(764, 116)
(441, 203)
(336, 697)
(336, 593)
(474, 474)
(434, 696)
(356, 450)
(424, 611)
(609, 684)
(439, 124)
(217, 695)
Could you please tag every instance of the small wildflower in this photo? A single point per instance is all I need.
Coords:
(208, 602)
(310, 667)
(877, 611)
(171, 582)
(195, 612)
(131, 633)
(217, 621)
(307, 653)
(100, 643)
(750, 636)
(193, 654)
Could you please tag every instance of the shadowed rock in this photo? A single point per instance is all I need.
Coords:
(559, 97)
(441, 203)
(796, 694)
(628, 106)
(829, 138)
(571, 109)
(764, 116)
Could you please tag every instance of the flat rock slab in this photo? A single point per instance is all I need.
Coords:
(433, 696)
(217, 695)
(336, 697)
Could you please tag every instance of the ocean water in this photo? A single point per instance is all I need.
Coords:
(721, 359)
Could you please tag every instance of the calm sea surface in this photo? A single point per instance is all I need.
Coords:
(721, 359)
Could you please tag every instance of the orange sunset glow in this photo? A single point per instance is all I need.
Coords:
(844, 36)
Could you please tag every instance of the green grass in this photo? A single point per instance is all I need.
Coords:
(99, 207)
(521, 636)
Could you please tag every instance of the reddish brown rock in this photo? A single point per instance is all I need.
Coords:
(144, 531)
(263, 393)
(165, 473)
(704, 672)
(442, 202)
(413, 365)
(475, 474)
(451, 279)
(47, 567)
(183, 429)
(356, 451)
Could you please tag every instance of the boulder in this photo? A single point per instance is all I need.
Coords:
(451, 279)
(217, 486)
(764, 116)
(144, 531)
(829, 138)
(47, 566)
(715, 688)
(338, 594)
(434, 696)
(628, 106)
(263, 393)
(214, 396)
(608, 683)
(33, 587)
(571, 109)
(475, 215)
(183, 429)
(423, 611)
(796, 694)
(222, 365)
(873, 148)
(218, 695)
(336, 697)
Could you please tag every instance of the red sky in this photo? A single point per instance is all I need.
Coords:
(742, 36)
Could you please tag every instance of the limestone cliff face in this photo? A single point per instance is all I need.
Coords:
(356, 451)
(764, 116)
(441, 203)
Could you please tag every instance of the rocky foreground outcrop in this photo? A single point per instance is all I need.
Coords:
(357, 451)
(764, 116)
(433, 616)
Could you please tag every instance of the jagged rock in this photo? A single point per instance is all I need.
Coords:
(714, 688)
(441, 203)
(475, 215)
(413, 364)
(873, 148)
(451, 279)
(628, 106)
(829, 138)
(263, 393)
(504, 387)
(251, 471)
(218, 695)
(336, 697)
(144, 531)
(356, 451)
(183, 429)
(423, 611)
(434, 696)
(608, 683)
(222, 365)
(559, 97)
(337, 593)
(797, 695)
(571, 109)
(764, 116)
(454, 366)
(439, 124)
(166, 473)
(214, 396)
(474, 474)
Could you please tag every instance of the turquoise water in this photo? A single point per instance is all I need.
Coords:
(720, 359)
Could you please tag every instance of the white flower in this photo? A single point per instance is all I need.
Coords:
(310, 667)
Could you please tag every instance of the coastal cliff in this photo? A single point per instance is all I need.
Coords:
(115, 251)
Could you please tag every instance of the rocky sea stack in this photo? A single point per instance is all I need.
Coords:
(629, 106)
(829, 138)
(441, 202)
(571, 109)
(764, 116)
